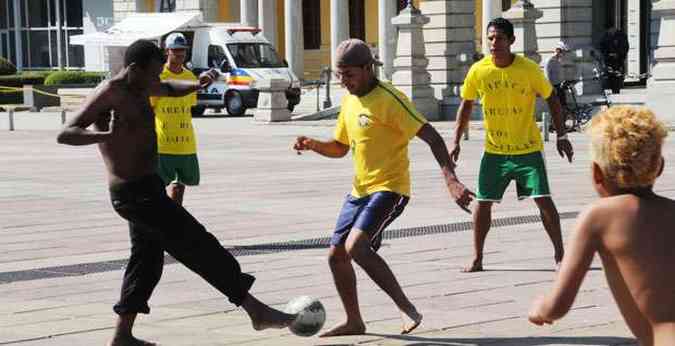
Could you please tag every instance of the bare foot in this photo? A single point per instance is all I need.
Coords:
(272, 318)
(410, 321)
(264, 317)
(346, 328)
(129, 340)
(476, 266)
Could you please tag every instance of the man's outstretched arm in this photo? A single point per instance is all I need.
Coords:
(331, 148)
(176, 88)
(458, 191)
(95, 109)
(575, 264)
(461, 124)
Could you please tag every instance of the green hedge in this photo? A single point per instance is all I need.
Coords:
(24, 78)
(6, 67)
(74, 77)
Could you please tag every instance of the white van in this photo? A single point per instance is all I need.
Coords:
(242, 55)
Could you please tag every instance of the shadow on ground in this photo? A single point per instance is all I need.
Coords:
(514, 341)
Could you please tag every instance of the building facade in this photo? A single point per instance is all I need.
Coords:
(34, 33)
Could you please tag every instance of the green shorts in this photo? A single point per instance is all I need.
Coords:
(497, 171)
(182, 169)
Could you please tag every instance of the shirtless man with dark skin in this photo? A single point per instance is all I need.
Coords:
(124, 129)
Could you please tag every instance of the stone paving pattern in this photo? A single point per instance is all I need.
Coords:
(54, 211)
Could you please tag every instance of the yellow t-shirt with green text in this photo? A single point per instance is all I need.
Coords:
(508, 97)
(173, 118)
(378, 127)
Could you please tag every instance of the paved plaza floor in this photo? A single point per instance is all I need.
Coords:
(63, 249)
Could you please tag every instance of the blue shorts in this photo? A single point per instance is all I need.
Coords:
(371, 214)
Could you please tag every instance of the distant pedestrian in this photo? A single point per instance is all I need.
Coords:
(614, 48)
(553, 69)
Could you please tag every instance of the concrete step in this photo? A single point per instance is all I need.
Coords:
(635, 97)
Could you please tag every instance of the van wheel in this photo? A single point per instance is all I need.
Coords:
(198, 111)
(234, 104)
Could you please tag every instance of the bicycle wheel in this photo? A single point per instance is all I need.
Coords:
(570, 121)
(584, 116)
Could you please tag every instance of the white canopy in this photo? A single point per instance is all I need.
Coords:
(139, 26)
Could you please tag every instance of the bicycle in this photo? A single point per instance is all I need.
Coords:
(576, 114)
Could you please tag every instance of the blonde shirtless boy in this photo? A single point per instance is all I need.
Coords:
(630, 227)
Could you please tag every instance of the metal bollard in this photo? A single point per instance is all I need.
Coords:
(546, 123)
(63, 116)
(10, 113)
(326, 74)
(466, 133)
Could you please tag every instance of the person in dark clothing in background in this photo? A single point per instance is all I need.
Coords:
(614, 48)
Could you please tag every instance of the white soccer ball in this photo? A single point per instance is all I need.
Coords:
(311, 315)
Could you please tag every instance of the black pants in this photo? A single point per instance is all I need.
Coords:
(158, 224)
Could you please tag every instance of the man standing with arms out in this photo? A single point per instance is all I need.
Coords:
(124, 129)
(507, 85)
(176, 145)
(376, 123)
(630, 228)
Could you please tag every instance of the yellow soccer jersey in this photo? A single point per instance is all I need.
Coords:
(173, 118)
(377, 127)
(508, 97)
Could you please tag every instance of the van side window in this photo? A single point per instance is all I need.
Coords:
(216, 56)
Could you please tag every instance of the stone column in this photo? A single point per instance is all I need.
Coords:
(267, 18)
(661, 85)
(449, 46)
(18, 51)
(410, 73)
(386, 36)
(523, 15)
(491, 9)
(295, 44)
(249, 13)
(272, 102)
(339, 25)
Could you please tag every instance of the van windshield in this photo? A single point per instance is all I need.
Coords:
(255, 55)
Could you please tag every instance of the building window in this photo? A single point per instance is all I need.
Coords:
(400, 5)
(506, 5)
(42, 24)
(357, 20)
(311, 21)
(167, 6)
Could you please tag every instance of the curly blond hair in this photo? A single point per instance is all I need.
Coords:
(626, 143)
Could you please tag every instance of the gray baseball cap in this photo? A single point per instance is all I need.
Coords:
(354, 52)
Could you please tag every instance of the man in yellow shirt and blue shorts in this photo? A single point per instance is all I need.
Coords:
(177, 148)
(375, 124)
(507, 86)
